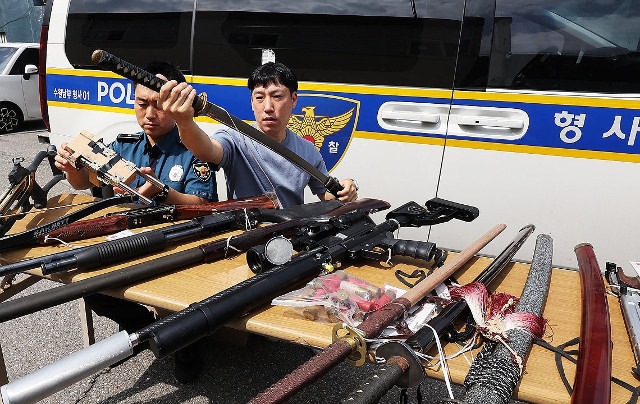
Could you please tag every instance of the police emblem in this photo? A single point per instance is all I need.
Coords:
(326, 121)
(202, 170)
(175, 174)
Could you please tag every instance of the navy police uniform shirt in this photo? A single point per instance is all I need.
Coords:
(172, 162)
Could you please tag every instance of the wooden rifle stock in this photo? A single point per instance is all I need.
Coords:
(142, 217)
(593, 373)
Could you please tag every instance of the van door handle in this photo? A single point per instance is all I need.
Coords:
(420, 117)
(491, 122)
(410, 116)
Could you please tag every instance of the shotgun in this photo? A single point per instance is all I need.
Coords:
(112, 252)
(357, 239)
(203, 253)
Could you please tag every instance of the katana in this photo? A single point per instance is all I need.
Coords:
(201, 106)
(351, 342)
(402, 366)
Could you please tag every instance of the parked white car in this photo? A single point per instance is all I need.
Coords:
(19, 90)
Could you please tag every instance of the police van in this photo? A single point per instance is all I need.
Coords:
(527, 109)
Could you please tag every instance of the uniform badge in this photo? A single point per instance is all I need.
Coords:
(176, 173)
(202, 170)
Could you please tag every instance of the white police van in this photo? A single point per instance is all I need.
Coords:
(527, 109)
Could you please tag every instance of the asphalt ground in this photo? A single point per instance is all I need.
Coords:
(234, 372)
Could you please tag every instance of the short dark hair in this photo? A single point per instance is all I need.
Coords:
(273, 73)
(168, 70)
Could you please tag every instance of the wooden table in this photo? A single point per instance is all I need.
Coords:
(541, 382)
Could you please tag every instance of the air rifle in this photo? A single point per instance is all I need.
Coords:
(628, 291)
(207, 252)
(355, 240)
(229, 303)
(112, 252)
(28, 237)
(22, 186)
(148, 216)
(402, 367)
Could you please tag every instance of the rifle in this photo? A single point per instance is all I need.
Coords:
(592, 382)
(113, 63)
(106, 166)
(112, 252)
(203, 253)
(15, 201)
(628, 293)
(148, 216)
(358, 237)
(403, 368)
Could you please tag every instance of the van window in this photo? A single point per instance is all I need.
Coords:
(572, 45)
(364, 42)
(123, 27)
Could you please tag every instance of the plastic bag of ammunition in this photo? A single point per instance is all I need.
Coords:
(336, 297)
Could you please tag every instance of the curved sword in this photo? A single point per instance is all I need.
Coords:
(113, 63)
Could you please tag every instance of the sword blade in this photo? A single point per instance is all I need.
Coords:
(113, 63)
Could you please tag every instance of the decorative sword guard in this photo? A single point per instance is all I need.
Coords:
(201, 106)
(106, 166)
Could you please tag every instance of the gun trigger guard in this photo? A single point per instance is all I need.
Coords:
(355, 340)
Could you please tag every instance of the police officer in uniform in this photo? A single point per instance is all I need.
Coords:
(158, 151)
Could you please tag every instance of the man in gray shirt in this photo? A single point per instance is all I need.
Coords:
(250, 168)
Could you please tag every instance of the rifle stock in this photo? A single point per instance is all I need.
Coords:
(142, 217)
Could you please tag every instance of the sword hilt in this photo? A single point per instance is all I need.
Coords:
(137, 74)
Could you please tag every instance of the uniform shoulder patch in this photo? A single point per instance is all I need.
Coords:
(129, 137)
(202, 170)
